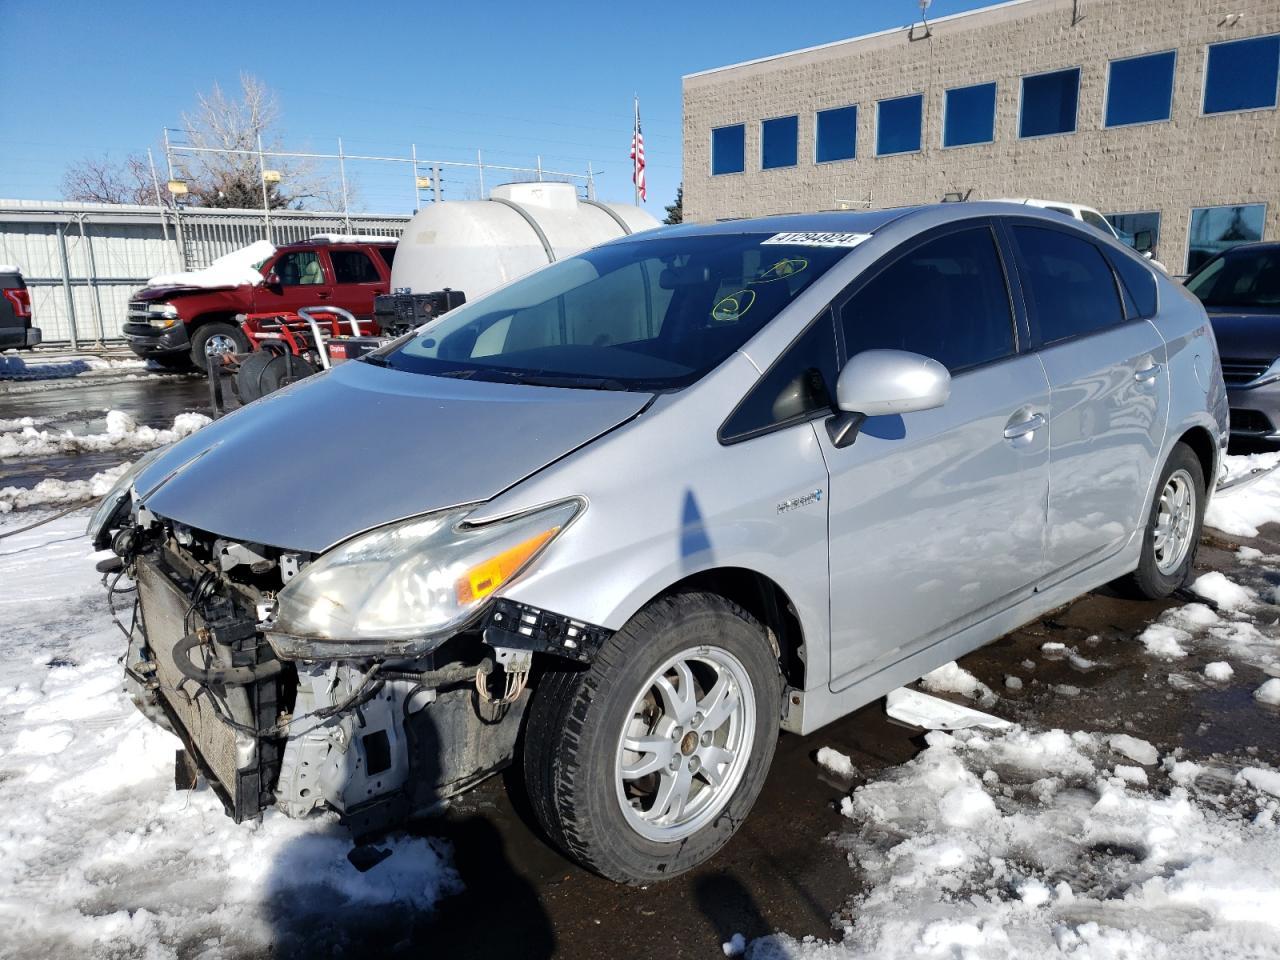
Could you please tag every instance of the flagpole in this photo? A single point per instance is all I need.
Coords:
(635, 160)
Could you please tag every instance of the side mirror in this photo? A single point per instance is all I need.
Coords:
(1143, 241)
(273, 281)
(877, 383)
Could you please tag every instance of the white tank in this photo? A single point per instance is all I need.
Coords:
(477, 245)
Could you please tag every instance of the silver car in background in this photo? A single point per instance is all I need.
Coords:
(624, 518)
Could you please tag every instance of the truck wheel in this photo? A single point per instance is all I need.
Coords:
(643, 765)
(1172, 533)
(225, 337)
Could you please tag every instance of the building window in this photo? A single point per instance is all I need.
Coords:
(1130, 225)
(1140, 89)
(1049, 103)
(1242, 74)
(970, 115)
(728, 149)
(1214, 229)
(898, 125)
(778, 142)
(836, 134)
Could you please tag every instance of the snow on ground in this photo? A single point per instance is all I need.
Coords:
(952, 678)
(1241, 512)
(54, 492)
(99, 856)
(232, 270)
(122, 433)
(53, 367)
(1030, 844)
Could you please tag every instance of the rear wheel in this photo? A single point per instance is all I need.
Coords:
(643, 765)
(222, 337)
(1173, 527)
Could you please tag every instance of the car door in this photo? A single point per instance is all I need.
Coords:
(356, 280)
(937, 518)
(301, 280)
(1108, 405)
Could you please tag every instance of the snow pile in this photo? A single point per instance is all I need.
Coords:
(1194, 627)
(10, 268)
(235, 269)
(1139, 751)
(52, 491)
(17, 368)
(1241, 512)
(953, 678)
(1227, 595)
(1027, 844)
(99, 856)
(123, 433)
(1269, 692)
(735, 946)
(1219, 671)
(840, 764)
(19, 423)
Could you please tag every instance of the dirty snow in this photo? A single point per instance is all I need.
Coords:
(1242, 511)
(54, 492)
(838, 763)
(1139, 751)
(933, 713)
(952, 678)
(1030, 844)
(232, 270)
(99, 856)
(1219, 671)
(123, 433)
(1269, 692)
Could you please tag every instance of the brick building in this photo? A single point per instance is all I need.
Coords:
(1162, 115)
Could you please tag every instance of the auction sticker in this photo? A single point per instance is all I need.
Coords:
(819, 239)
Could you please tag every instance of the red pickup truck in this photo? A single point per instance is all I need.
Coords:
(173, 324)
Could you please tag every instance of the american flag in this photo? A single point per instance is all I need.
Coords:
(637, 157)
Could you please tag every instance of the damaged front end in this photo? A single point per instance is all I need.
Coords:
(301, 681)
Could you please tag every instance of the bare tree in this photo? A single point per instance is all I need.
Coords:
(220, 179)
(232, 179)
(102, 180)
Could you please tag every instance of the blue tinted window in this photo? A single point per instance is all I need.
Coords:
(898, 125)
(1140, 89)
(837, 134)
(1130, 225)
(728, 149)
(778, 142)
(1049, 103)
(970, 115)
(1214, 229)
(1242, 74)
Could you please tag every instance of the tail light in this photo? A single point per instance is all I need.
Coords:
(21, 301)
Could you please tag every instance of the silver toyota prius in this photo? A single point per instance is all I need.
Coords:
(626, 517)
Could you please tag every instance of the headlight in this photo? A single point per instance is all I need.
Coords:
(403, 588)
(105, 515)
(162, 315)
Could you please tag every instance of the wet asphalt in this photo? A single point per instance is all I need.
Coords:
(784, 870)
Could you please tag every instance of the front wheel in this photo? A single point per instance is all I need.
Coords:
(1172, 532)
(643, 765)
(222, 337)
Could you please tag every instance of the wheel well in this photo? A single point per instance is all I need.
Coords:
(764, 600)
(1201, 443)
(200, 320)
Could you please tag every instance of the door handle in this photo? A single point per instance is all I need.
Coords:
(1023, 427)
(1147, 374)
(322, 294)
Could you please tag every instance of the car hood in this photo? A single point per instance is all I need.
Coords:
(361, 446)
(1252, 333)
(173, 291)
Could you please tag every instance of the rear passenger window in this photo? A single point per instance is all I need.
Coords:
(800, 383)
(1139, 283)
(388, 254)
(1070, 288)
(947, 299)
(352, 266)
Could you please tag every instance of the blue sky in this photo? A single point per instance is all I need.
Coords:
(513, 79)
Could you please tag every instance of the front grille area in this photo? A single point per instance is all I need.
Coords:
(138, 311)
(1250, 421)
(1236, 372)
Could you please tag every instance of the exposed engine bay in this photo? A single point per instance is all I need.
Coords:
(377, 737)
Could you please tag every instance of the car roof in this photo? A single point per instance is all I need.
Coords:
(1267, 245)
(829, 221)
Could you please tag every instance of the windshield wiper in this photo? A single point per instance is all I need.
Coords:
(563, 380)
(376, 360)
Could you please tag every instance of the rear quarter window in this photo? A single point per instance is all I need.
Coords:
(1138, 281)
(388, 254)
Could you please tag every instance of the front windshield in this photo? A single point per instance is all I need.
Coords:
(1239, 278)
(645, 314)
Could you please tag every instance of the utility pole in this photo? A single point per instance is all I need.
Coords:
(266, 203)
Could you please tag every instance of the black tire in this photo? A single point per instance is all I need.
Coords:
(282, 370)
(577, 717)
(248, 382)
(1148, 581)
(208, 331)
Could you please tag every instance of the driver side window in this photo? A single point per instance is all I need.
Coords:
(299, 269)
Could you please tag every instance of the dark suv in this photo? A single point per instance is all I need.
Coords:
(173, 324)
(15, 311)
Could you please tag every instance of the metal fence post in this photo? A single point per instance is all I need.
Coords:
(342, 174)
(96, 301)
(66, 284)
